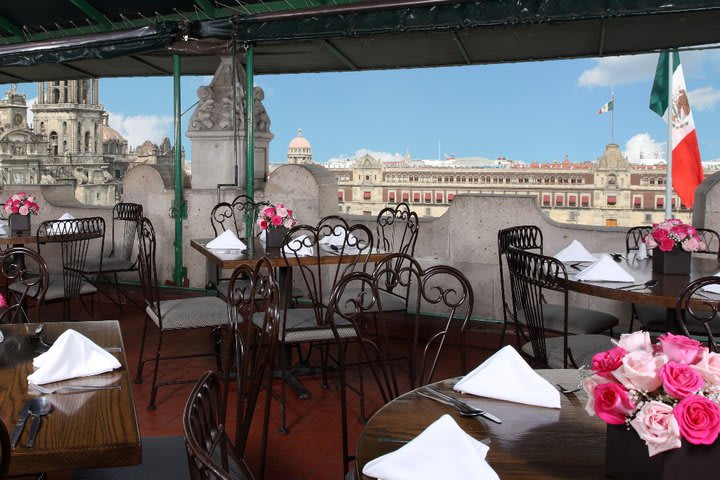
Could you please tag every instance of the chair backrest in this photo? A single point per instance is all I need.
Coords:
(146, 265)
(711, 239)
(5, 450)
(354, 247)
(211, 454)
(397, 229)
(696, 313)
(530, 274)
(233, 215)
(253, 302)
(27, 270)
(75, 237)
(124, 230)
(634, 237)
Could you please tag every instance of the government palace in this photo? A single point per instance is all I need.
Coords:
(609, 191)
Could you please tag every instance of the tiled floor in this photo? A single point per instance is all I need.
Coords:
(311, 450)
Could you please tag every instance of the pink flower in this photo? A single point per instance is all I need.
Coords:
(660, 233)
(15, 198)
(276, 220)
(22, 194)
(667, 244)
(269, 212)
(8, 209)
(612, 403)
(680, 380)
(635, 341)
(709, 366)
(263, 224)
(604, 363)
(3, 302)
(31, 198)
(24, 210)
(288, 223)
(691, 230)
(680, 231)
(281, 211)
(639, 370)
(680, 348)
(589, 385)
(279, 205)
(699, 419)
(650, 241)
(656, 424)
(692, 244)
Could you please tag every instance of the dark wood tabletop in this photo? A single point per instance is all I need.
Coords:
(20, 240)
(664, 293)
(230, 258)
(83, 430)
(532, 442)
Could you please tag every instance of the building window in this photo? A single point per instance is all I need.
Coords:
(416, 197)
(546, 200)
(672, 202)
(341, 196)
(659, 203)
(438, 198)
(367, 195)
(428, 197)
(559, 201)
(611, 222)
(612, 200)
(637, 202)
(391, 197)
(405, 196)
(450, 197)
(572, 201)
(585, 201)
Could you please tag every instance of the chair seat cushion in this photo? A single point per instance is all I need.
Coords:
(109, 264)
(580, 320)
(223, 285)
(195, 312)
(302, 326)
(56, 288)
(654, 319)
(582, 349)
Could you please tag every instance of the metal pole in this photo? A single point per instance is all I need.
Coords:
(612, 119)
(668, 173)
(178, 204)
(250, 134)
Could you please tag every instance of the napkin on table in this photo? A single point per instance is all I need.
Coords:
(604, 270)
(227, 239)
(56, 228)
(506, 376)
(442, 450)
(713, 288)
(575, 252)
(72, 355)
(296, 247)
(338, 239)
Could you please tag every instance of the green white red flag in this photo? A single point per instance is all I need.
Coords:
(607, 107)
(687, 172)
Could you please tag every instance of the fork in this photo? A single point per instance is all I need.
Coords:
(567, 391)
(72, 388)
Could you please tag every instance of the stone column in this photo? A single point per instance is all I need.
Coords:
(95, 90)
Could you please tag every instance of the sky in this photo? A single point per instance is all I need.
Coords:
(538, 111)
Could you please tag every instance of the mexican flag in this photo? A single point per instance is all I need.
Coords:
(687, 170)
(607, 107)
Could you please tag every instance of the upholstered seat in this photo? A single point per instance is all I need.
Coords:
(109, 264)
(581, 347)
(195, 312)
(301, 326)
(56, 288)
(580, 320)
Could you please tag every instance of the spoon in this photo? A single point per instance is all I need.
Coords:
(38, 407)
(640, 286)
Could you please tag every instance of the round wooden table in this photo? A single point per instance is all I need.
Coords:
(663, 294)
(531, 443)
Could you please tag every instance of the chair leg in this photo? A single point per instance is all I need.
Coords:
(217, 340)
(324, 364)
(138, 375)
(266, 425)
(153, 392)
(285, 351)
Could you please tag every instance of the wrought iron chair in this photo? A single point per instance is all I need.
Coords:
(122, 257)
(309, 325)
(437, 289)
(169, 315)
(74, 238)
(255, 337)
(27, 272)
(651, 317)
(696, 313)
(582, 320)
(531, 274)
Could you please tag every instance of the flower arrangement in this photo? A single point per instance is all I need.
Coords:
(667, 392)
(674, 233)
(274, 216)
(22, 203)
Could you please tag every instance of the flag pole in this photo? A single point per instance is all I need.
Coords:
(668, 172)
(612, 118)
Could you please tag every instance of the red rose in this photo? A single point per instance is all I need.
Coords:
(612, 403)
(604, 363)
(699, 419)
(659, 234)
(666, 244)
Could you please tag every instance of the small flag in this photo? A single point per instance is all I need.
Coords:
(607, 107)
(687, 172)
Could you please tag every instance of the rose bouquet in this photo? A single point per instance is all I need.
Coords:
(667, 392)
(674, 233)
(22, 203)
(274, 216)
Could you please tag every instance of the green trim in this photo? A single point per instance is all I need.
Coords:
(179, 272)
(250, 122)
(206, 7)
(10, 27)
(93, 13)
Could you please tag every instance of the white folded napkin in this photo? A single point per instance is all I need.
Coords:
(604, 270)
(56, 227)
(442, 450)
(338, 239)
(72, 355)
(506, 376)
(296, 247)
(713, 288)
(227, 239)
(575, 252)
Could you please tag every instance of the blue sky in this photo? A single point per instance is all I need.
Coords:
(537, 111)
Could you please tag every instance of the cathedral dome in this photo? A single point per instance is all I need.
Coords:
(110, 134)
(299, 142)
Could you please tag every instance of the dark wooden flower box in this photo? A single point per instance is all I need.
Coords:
(676, 261)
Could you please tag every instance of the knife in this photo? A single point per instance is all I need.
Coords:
(20, 425)
(467, 407)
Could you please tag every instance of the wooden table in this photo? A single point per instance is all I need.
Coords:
(664, 294)
(84, 430)
(17, 241)
(532, 442)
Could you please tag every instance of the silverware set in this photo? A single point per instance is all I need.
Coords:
(35, 407)
(639, 286)
(461, 407)
(72, 388)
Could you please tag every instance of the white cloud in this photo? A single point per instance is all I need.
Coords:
(138, 128)
(642, 148)
(382, 156)
(30, 114)
(704, 98)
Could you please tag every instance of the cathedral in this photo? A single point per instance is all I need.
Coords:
(69, 141)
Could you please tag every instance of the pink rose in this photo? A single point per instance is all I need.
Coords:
(635, 341)
(15, 198)
(650, 241)
(680, 380)
(699, 419)
(281, 211)
(24, 210)
(289, 212)
(691, 244)
(269, 212)
(276, 220)
(21, 194)
(288, 223)
(263, 224)
(3, 302)
(589, 384)
(680, 348)
(604, 363)
(8, 209)
(639, 370)
(660, 233)
(279, 205)
(656, 424)
(680, 231)
(667, 244)
(612, 403)
(709, 366)
(31, 198)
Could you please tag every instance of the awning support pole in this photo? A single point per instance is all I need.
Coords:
(179, 208)
(249, 132)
